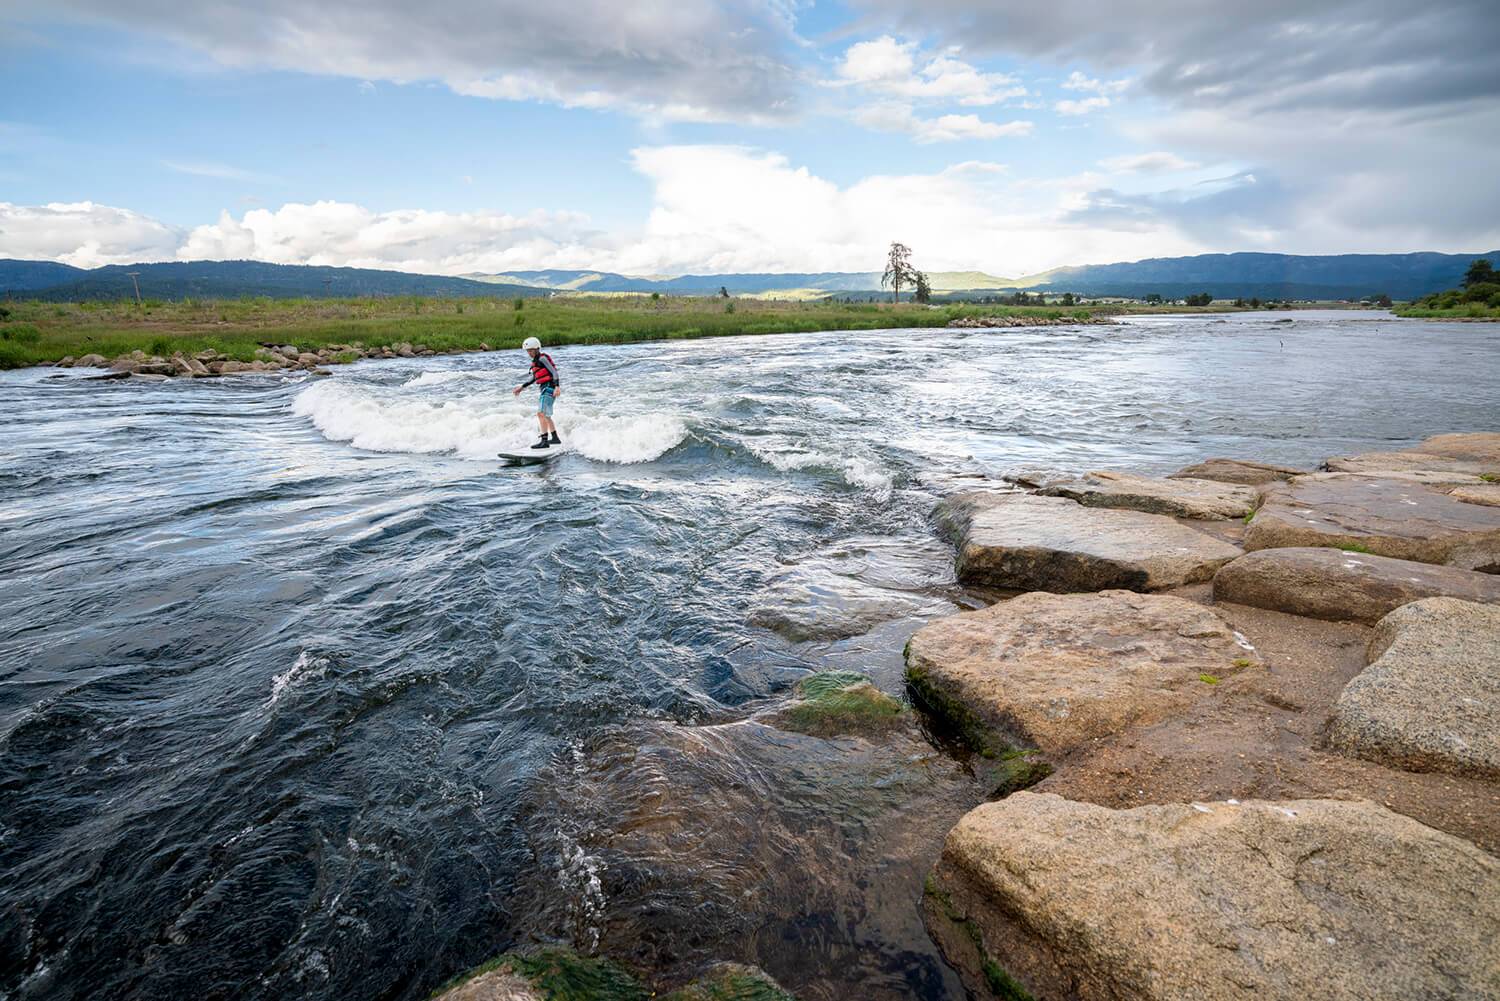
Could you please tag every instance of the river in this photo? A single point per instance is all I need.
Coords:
(303, 694)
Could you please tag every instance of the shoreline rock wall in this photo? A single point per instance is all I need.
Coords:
(1155, 699)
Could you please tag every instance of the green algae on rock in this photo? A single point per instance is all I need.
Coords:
(558, 974)
(833, 703)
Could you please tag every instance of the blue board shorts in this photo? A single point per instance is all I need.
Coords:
(545, 401)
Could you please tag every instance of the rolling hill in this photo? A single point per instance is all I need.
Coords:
(231, 279)
(1267, 276)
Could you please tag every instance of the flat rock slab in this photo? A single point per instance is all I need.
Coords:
(1396, 462)
(1024, 542)
(1480, 446)
(1236, 471)
(1053, 671)
(1430, 699)
(1380, 516)
(1180, 497)
(493, 985)
(1487, 494)
(1421, 477)
(1323, 583)
(1259, 901)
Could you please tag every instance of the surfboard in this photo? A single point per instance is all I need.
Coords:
(532, 456)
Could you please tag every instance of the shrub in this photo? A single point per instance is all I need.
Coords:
(1481, 292)
(519, 304)
(21, 333)
(4, 314)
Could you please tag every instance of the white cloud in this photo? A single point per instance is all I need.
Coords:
(780, 217)
(1146, 163)
(83, 234)
(886, 66)
(1077, 81)
(695, 60)
(1083, 107)
(896, 116)
(219, 171)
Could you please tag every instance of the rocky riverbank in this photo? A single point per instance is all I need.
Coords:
(268, 358)
(1259, 713)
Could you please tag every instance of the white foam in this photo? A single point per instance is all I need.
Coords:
(476, 426)
(864, 474)
(435, 379)
(303, 669)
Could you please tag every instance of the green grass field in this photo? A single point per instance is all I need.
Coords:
(37, 333)
(1462, 311)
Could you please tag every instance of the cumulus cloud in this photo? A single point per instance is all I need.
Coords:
(896, 116)
(1077, 81)
(889, 67)
(781, 217)
(83, 234)
(697, 60)
(1080, 107)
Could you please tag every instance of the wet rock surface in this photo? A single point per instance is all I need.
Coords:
(1055, 672)
(1031, 543)
(1041, 896)
(1179, 497)
(1236, 471)
(669, 846)
(1380, 516)
(1325, 583)
(1430, 699)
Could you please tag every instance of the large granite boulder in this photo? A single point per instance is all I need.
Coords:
(1039, 896)
(1404, 462)
(1024, 542)
(1180, 497)
(1479, 446)
(1236, 471)
(1380, 516)
(1323, 583)
(1487, 494)
(1053, 671)
(1430, 699)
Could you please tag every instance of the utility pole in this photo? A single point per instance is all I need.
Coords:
(137, 285)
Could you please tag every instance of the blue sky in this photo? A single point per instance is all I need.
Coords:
(713, 135)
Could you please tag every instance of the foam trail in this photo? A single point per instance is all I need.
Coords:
(476, 426)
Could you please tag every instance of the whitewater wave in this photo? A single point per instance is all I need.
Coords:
(477, 426)
(856, 471)
(436, 379)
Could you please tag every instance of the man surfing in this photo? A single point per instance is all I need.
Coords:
(544, 377)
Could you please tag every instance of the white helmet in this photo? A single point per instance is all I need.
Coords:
(531, 342)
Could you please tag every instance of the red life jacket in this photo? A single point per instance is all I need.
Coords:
(541, 374)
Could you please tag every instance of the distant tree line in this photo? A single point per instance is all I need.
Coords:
(1481, 285)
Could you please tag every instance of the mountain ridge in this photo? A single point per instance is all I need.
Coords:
(1243, 274)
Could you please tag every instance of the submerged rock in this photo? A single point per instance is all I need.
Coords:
(1180, 497)
(1324, 583)
(1052, 672)
(1038, 896)
(1379, 516)
(1236, 471)
(1029, 543)
(1430, 699)
(832, 703)
(563, 975)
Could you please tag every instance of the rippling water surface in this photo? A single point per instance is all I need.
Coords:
(302, 694)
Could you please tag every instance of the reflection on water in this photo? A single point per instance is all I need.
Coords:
(303, 694)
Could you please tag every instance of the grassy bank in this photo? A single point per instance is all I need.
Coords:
(39, 333)
(1462, 311)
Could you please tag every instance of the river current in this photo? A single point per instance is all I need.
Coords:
(303, 694)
